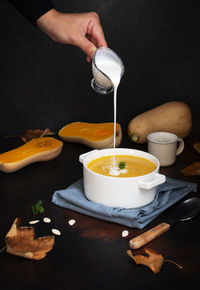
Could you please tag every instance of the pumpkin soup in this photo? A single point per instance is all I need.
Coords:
(125, 166)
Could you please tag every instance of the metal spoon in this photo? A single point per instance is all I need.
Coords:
(185, 211)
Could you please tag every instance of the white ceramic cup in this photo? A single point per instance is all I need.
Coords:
(165, 146)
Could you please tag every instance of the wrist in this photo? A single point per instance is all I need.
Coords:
(48, 17)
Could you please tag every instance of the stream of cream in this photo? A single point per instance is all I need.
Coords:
(113, 71)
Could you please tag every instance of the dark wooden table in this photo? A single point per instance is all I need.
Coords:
(92, 253)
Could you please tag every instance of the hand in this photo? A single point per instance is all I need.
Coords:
(81, 29)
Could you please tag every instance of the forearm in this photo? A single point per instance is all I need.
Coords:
(32, 9)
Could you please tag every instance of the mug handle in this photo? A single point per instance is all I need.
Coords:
(180, 146)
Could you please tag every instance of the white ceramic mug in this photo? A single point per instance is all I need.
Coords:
(163, 145)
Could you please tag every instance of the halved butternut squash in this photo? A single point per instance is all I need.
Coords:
(94, 135)
(38, 149)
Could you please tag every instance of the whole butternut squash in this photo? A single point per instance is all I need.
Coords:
(94, 135)
(38, 149)
(174, 117)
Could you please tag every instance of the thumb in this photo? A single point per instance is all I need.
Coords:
(86, 46)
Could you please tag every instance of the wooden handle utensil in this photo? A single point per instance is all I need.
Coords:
(148, 236)
(188, 209)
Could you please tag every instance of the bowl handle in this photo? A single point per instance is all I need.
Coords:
(84, 155)
(158, 179)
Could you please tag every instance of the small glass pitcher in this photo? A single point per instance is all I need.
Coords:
(101, 83)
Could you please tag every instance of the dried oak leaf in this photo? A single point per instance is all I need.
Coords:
(32, 134)
(154, 261)
(193, 169)
(21, 241)
(197, 146)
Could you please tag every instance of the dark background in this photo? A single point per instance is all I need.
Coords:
(44, 84)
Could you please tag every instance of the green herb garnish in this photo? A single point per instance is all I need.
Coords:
(37, 207)
(122, 165)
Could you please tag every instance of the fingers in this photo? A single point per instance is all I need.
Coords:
(97, 35)
(94, 34)
(86, 46)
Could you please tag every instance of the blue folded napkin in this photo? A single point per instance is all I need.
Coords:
(168, 193)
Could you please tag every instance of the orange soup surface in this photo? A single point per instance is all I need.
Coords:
(125, 165)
